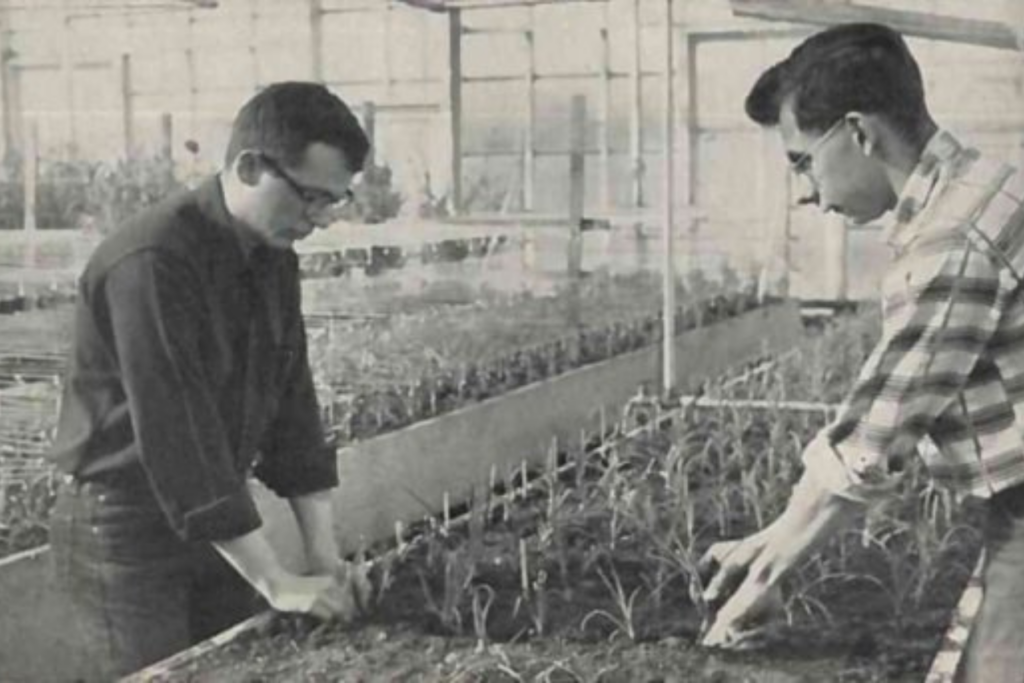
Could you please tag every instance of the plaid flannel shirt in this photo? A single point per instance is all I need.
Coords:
(950, 363)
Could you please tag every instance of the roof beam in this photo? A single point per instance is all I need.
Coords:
(908, 22)
(445, 5)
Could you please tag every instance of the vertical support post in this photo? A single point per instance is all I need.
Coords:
(530, 113)
(67, 67)
(190, 68)
(316, 40)
(690, 145)
(254, 42)
(690, 93)
(604, 138)
(6, 95)
(167, 137)
(17, 108)
(370, 128)
(385, 43)
(455, 106)
(668, 211)
(29, 174)
(837, 238)
(127, 106)
(167, 144)
(636, 123)
(787, 238)
(577, 183)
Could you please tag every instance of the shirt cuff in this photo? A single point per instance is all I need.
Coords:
(839, 469)
(314, 471)
(225, 518)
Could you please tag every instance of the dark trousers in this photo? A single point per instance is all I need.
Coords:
(138, 592)
(995, 649)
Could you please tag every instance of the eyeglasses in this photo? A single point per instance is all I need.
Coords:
(317, 201)
(801, 165)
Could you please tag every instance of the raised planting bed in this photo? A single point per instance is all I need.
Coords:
(397, 371)
(390, 371)
(586, 570)
(43, 275)
(406, 474)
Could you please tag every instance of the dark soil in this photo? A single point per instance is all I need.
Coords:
(409, 638)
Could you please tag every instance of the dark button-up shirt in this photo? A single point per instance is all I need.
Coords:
(189, 367)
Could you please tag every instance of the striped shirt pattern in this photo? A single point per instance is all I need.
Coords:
(950, 363)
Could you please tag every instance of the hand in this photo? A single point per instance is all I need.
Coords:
(314, 595)
(343, 595)
(740, 603)
(352, 580)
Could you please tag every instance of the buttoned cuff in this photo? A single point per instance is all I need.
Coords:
(225, 518)
(847, 471)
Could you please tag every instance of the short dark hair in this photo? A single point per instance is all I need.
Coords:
(284, 118)
(850, 67)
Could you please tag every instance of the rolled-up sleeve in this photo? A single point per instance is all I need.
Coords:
(295, 457)
(155, 307)
(935, 334)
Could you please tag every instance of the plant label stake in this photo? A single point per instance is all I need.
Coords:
(446, 511)
(524, 573)
(399, 536)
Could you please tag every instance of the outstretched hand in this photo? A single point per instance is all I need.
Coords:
(740, 605)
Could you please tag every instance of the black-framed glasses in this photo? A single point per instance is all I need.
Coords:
(317, 200)
(801, 164)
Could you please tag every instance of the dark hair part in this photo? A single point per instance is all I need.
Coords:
(283, 119)
(851, 67)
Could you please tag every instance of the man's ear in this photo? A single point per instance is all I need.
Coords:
(247, 167)
(867, 131)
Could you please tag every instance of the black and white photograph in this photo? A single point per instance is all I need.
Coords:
(512, 341)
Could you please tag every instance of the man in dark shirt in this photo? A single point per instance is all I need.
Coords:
(188, 373)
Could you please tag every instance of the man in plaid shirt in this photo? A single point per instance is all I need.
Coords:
(849, 106)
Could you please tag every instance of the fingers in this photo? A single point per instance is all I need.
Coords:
(729, 637)
(744, 621)
(714, 557)
(347, 594)
(724, 583)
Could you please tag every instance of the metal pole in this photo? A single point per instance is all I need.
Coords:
(388, 31)
(669, 278)
(127, 113)
(254, 41)
(577, 183)
(68, 69)
(370, 128)
(190, 67)
(167, 137)
(7, 111)
(530, 109)
(316, 42)
(455, 106)
(30, 169)
(636, 122)
(690, 135)
(604, 142)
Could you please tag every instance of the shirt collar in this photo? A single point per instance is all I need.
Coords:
(211, 202)
(941, 149)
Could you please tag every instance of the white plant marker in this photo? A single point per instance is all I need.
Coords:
(399, 536)
(524, 569)
(948, 657)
